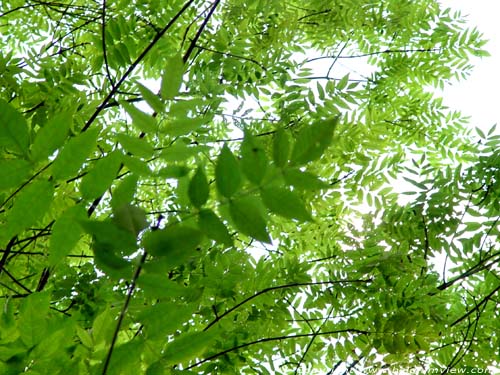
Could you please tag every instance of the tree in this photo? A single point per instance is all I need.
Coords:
(247, 217)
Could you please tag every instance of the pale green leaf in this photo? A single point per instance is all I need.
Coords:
(135, 145)
(51, 136)
(253, 159)
(143, 121)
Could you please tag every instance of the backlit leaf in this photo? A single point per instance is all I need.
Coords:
(177, 242)
(74, 153)
(249, 219)
(253, 159)
(14, 133)
(101, 176)
(198, 188)
(13, 172)
(284, 202)
(51, 136)
(171, 79)
(281, 147)
(213, 227)
(144, 122)
(227, 173)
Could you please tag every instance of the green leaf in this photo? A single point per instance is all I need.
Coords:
(107, 234)
(284, 202)
(103, 326)
(144, 122)
(213, 227)
(171, 79)
(30, 207)
(131, 218)
(33, 318)
(312, 141)
(165, 318)
(281, 147)
(227, 173)
(125, 191)
(179, 151)
(74, 153)
(136, 146)
(249, 219)
(303, 180)
(13, 172)
(198, 190)
(187, 346)
(65, 233)
(95, 183)
(177, 242)
(182, 126)
(14, 132)
(253, 159)
(151, 98)
(51, 136)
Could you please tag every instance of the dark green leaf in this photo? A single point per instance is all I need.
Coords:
(165, 318)
(227, 173)
(198, 188)
(213, 227)
(74, 153)
(249, 219)
(284, 202)
(106, 234)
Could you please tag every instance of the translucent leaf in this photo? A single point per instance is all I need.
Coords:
(213, 227)
(187, 346)
(248, 218)
(65, 234)
(103, 326)
(33, 318)
(303, 180)
(14, 133)
(74, 154)
(131, 218)
(144, 122)
(227, 173)
(13, 172)
(136, 146)
(165, 318)
(312, 141)
(253, 159)
(51, 136)
(125, 191)
(30, 207)
(171, 79)
(281, 148)
(177, 242)
(198, 189)
(151, 98)
(285, 203)
(101, 176)
(183, 126)
(107, 235)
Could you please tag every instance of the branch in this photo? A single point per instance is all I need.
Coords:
(277, 338)
(278, 287)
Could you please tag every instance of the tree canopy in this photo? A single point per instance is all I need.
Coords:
(214, 187)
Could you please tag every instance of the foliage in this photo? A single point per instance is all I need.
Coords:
(248, 214)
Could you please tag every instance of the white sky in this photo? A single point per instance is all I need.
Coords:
(479, 95)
